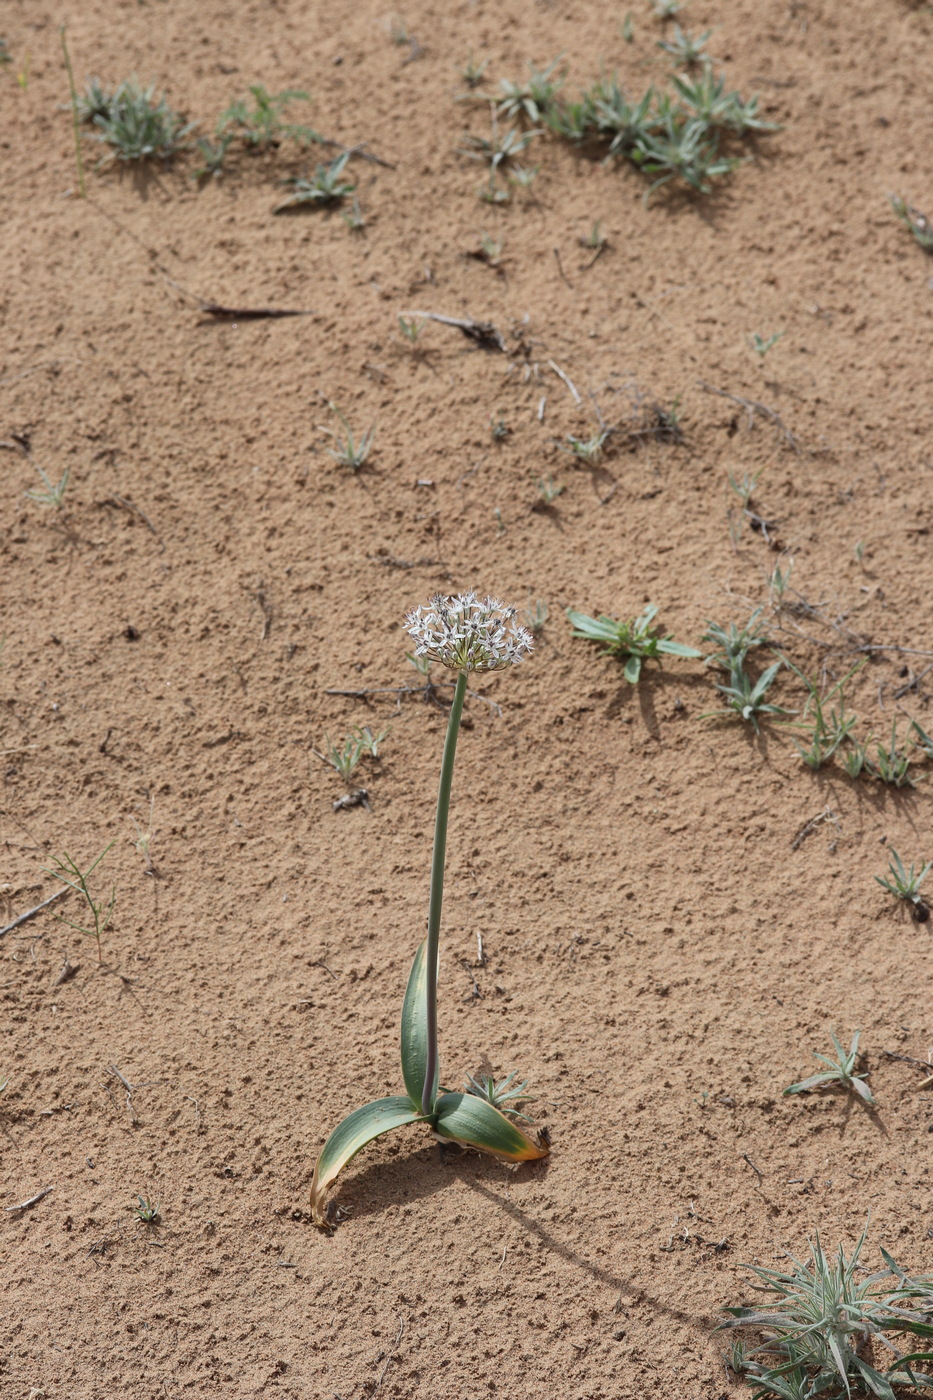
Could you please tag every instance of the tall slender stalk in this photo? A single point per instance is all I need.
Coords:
(74, 113)
(437, 887)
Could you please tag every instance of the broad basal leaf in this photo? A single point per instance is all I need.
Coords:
(415, 1030)
(351, 1136)
(471, 1120)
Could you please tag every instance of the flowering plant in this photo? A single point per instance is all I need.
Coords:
(465, 633)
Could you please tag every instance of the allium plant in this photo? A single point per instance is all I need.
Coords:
(465, 633)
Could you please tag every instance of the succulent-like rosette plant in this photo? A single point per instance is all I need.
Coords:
(465, 633)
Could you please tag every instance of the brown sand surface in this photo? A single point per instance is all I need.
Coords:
(666, 940)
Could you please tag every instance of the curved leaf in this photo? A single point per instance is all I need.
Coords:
(677, 648)
(471, 1120)
(415, 1029)
(351, 1136)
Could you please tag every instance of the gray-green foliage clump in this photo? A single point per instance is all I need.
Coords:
(820, 1320)
(132, 122)
(690, 134)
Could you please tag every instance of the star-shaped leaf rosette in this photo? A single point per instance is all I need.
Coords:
(465, 633)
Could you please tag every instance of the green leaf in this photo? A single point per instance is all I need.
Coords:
(415, 1030)
(593, 629)
(677, 648)
(351, 1136)
(467, 1119)
(633, 669)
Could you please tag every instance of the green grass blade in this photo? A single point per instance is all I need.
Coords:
(415, 1030)
(466, 1118)
(677, 648)
(351, 1136)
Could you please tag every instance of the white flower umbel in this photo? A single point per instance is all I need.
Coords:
(468, 633)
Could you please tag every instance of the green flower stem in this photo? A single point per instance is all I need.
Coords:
(437, 887)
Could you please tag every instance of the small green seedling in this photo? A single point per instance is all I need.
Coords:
(371, 743)
(590, 450)
(214, 154)
(144, 839)
(147, 1211)
(499, 150)
(422, 664)
(627, 28)
(357, 743)
(745, 698)
(892, 764)
(667, 9)
(5, 56)
(533, 99)
(523, 176)
(855, 760)
(919, 225)
(595, 240)
(350, 451)
(634, 641)
(95, 102)
(534, 618)
(343, 760)
(412, 332)
(905, 884)
(684, 49)
(548, 491)
(472, 72)
(824, 1318)
(734, 642)
(260, 125)
(744, 486)
(501, 1094)
(923, 740)
(354, 217)
(832, 727)
(466, 634)
(490, 250)
(762, 346)
(134, 124)
(71, 875)
(499, 428)
(51, 496)
(838, 1071)
(326, 186)
(778, 583)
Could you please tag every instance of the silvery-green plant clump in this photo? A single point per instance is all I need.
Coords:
(905, 884)
(465, 633)
(52, 495)
(819, 1320)
(840, 1071)
(745, 697)
(132, 122)
(634, 641)
(326, 186)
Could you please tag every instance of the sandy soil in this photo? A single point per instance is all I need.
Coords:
(666, 940)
